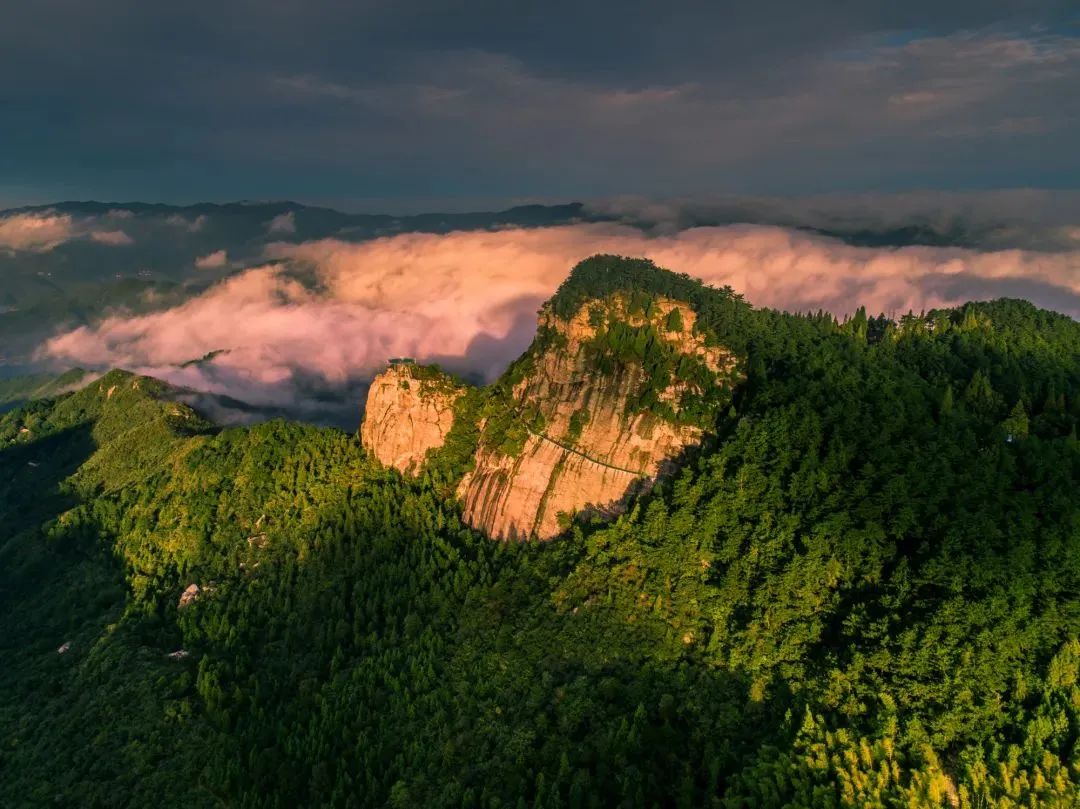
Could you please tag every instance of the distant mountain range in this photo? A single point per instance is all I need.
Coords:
(245, 222)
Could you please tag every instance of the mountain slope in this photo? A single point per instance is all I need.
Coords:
(18, 390)
(860, 589)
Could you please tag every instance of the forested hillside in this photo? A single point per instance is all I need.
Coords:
(863, 589)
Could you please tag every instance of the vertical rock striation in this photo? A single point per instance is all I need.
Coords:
(589, 444)
(621, 379)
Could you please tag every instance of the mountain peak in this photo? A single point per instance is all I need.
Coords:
(623, 376)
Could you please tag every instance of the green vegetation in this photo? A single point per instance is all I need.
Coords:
(674, 322)
(723, 319)
(865, 591)
(722, 315)
(506, 428)
(620, 347)
(433, 379)
(20, 389)
(578, 419)
(446, 465)
(208, 357)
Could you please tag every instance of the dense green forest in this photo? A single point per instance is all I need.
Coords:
(18, 390)
(862, 590)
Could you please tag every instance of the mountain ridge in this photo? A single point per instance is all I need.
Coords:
(860, 589)
(619, 381)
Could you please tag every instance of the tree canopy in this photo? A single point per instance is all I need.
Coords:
(862, 590)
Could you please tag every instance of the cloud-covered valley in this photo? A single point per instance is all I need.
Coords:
(311, 324)
(43, 229)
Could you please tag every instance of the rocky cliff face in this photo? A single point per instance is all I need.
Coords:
(590, 443)
(599, 407)
(409, 411)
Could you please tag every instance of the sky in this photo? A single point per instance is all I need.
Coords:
(430, 104)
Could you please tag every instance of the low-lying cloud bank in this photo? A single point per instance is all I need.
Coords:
(41, 231)
(34, 231)
(320, 317)
(212, 261)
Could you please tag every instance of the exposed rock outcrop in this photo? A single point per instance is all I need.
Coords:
(190, 595)
(410, 409)
(612, 391)
(588, 447)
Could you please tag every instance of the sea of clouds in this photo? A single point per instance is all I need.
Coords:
(319, 318)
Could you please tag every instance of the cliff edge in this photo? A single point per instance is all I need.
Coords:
(409, 411)
(622, 377)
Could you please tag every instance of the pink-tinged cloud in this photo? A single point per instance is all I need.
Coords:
(116, 238)
(193, 225)
(469, 299)
(212, 261)
(42, 231)
(282, 223)
(35, 231)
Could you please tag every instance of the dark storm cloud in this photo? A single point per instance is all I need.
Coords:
(1028, 219)
(340, 100)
